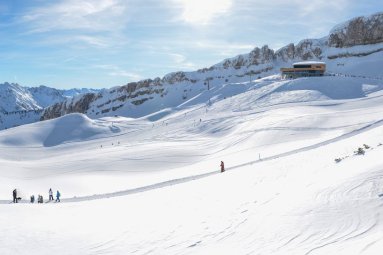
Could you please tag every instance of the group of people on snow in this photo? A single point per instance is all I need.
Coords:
(40, 198)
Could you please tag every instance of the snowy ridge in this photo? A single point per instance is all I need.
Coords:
(16, 98)
(22, 105)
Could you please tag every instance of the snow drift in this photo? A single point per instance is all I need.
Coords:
(69, 128)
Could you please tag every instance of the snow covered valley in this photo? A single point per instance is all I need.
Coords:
(152, 185)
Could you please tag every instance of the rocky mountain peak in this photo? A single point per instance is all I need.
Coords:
(358, 31)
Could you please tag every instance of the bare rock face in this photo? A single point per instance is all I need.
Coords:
(175, 77)
(286, 53)
(308, 49)
(133, 86)
(256, 57)
(358, 31)
(305, 50)
(80, 105)
(261, 56)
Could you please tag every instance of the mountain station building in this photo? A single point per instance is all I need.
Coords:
(304, 69)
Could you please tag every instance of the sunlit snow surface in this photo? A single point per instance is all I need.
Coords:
(152, 185)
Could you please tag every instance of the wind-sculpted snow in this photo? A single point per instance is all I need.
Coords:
(75, 127)
(69, 128)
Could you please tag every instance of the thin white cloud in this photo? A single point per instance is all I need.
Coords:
(114, 70)
(318, 6)
(78, 41)
(129, 75)
(224, 49)
(92, 41)
(90, 15)
(181, 62)
(223, 45)
(70, 59)
(201, 12)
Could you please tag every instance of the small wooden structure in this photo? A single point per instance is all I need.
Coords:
(304, 69)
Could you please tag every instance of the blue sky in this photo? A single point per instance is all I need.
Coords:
(104, 43)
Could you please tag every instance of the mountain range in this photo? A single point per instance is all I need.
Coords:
(21, 105)
(353, 49)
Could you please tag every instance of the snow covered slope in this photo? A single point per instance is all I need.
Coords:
(282, 193)
(209, 123)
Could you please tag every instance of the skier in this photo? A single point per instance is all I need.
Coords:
(32, 199)
(50, 194)
(40, 199)
(58, 196)
(222, 167)
(14, 196)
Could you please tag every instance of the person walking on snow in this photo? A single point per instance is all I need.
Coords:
(58, 196)
(222, 167)
(14, 196)
(50, 194)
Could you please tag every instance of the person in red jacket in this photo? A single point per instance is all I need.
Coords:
(222, 167)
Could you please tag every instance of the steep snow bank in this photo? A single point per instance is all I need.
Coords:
(334, 87)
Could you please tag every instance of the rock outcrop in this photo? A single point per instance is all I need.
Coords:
(78, 104)
(358, 31)
(257, 56)
(304, 50)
